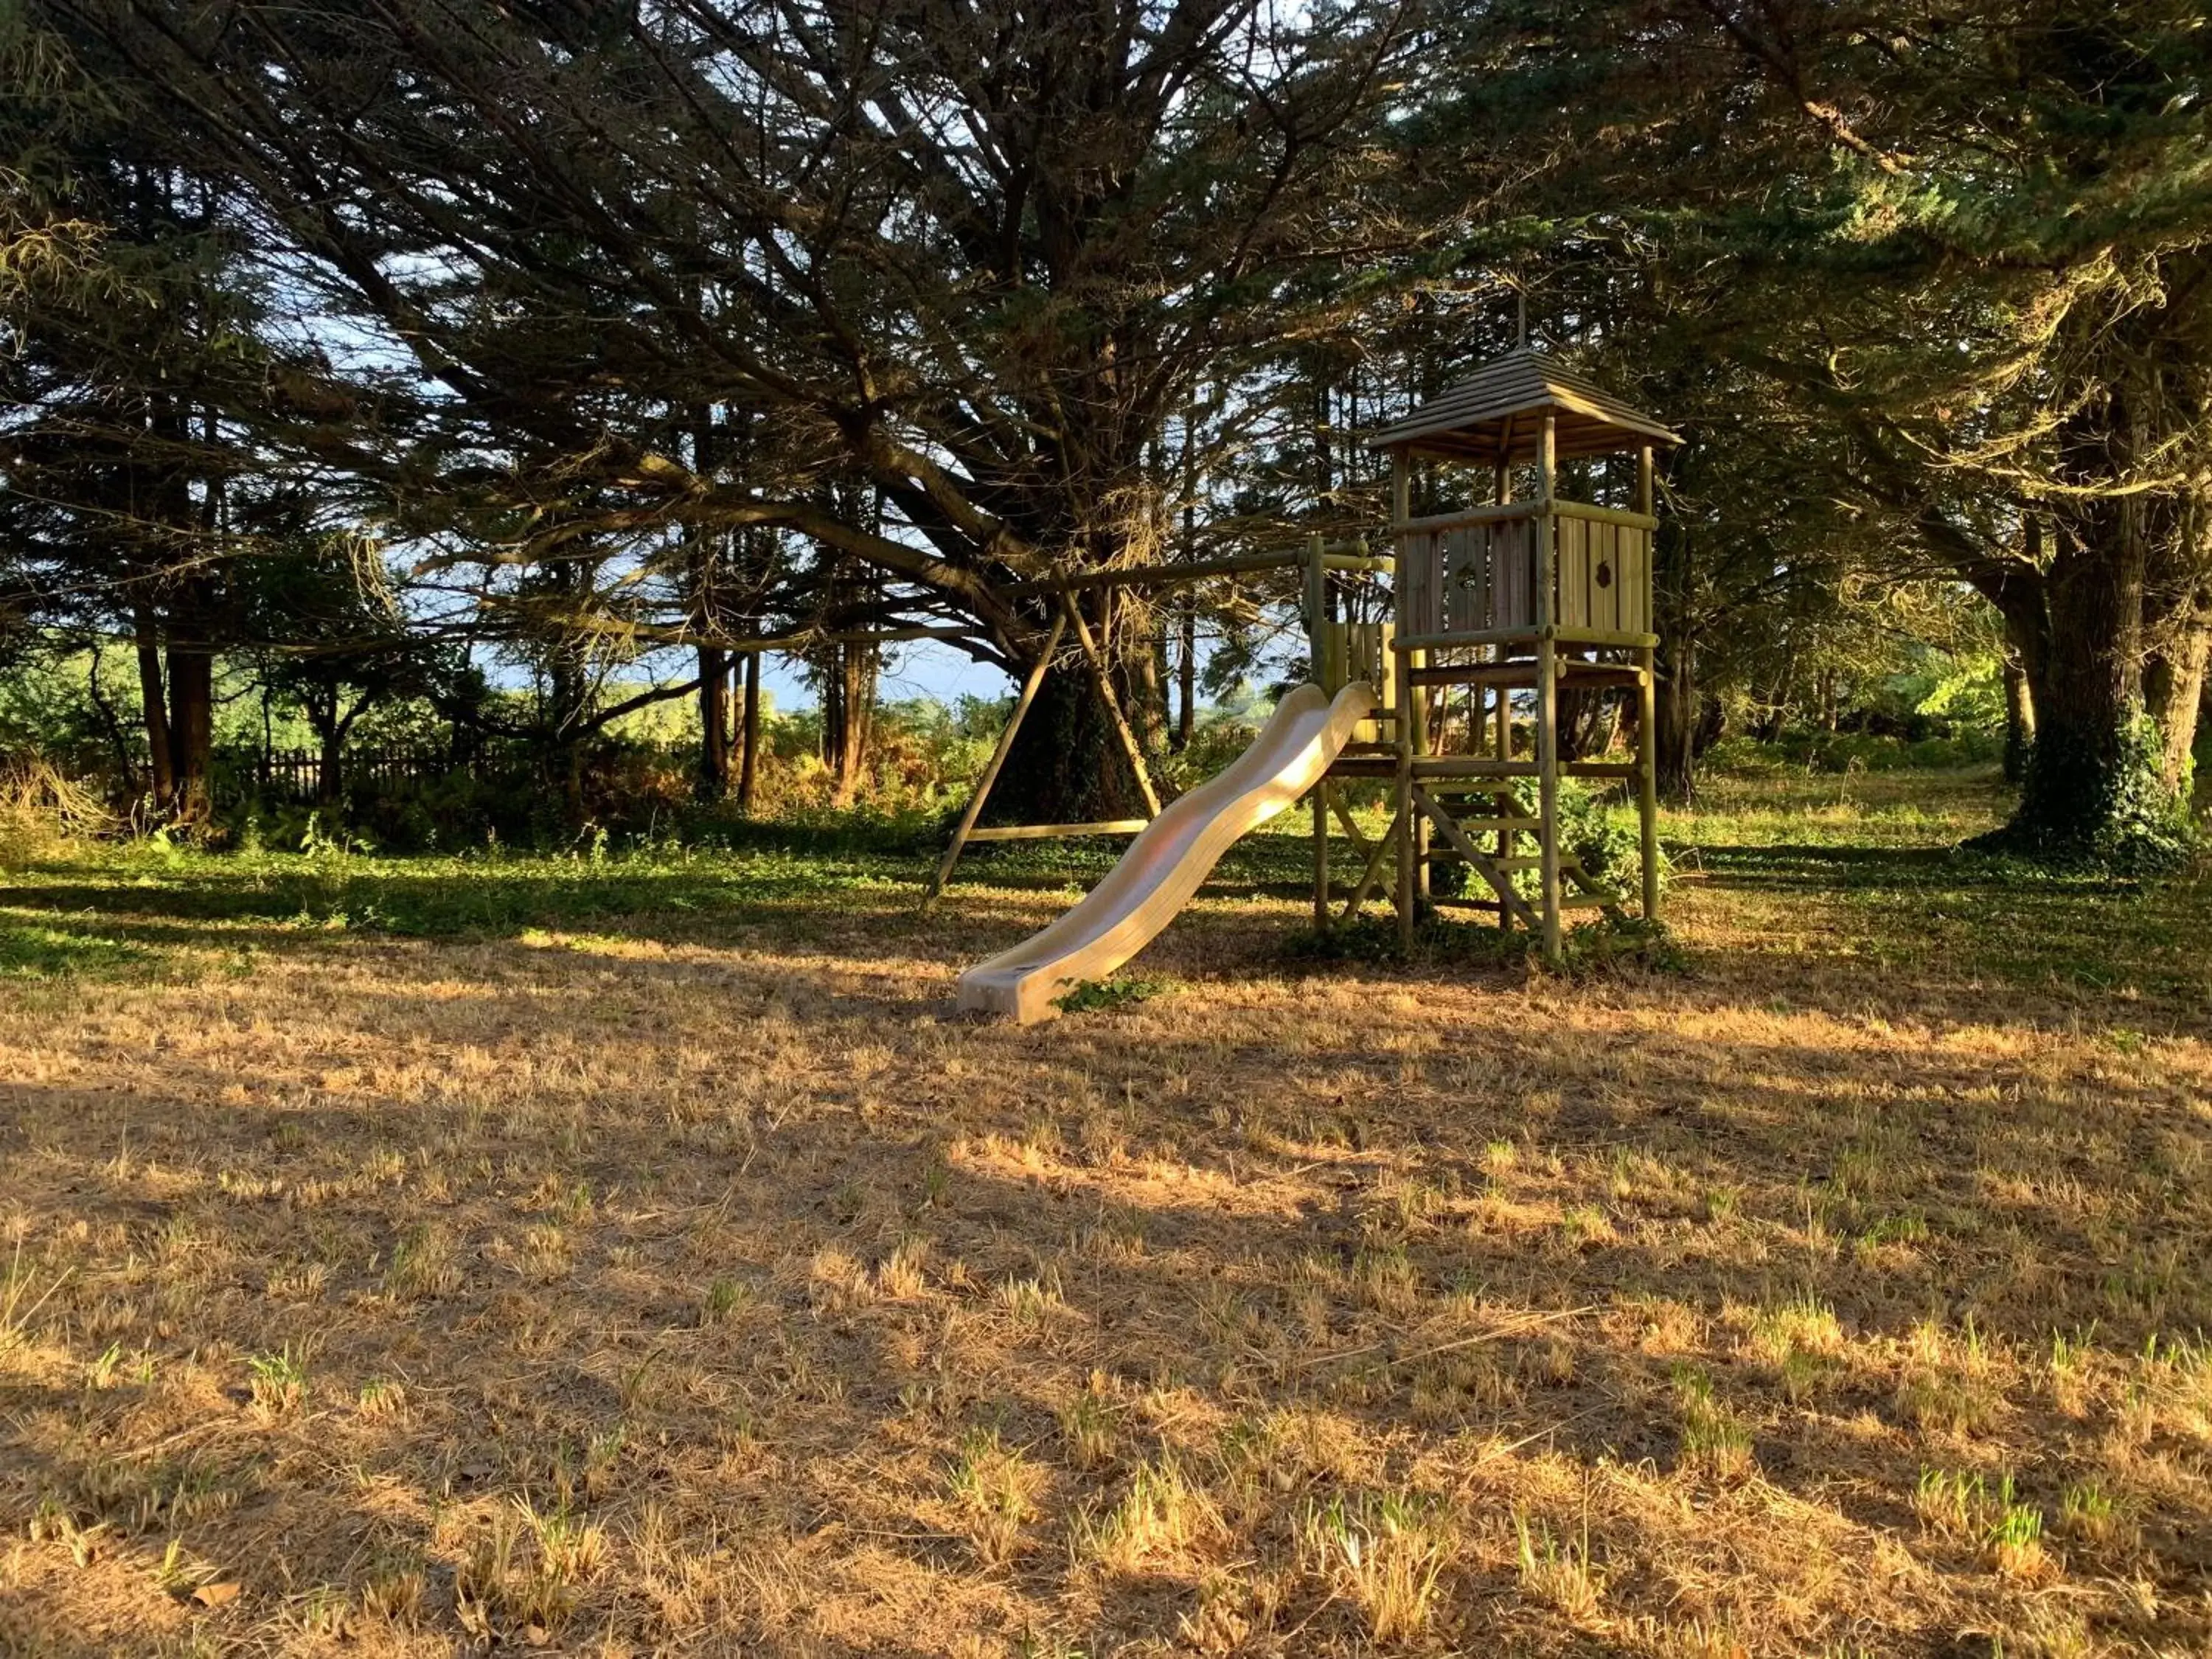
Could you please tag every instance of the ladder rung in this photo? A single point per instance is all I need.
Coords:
(1479, 824)
(1454, 766)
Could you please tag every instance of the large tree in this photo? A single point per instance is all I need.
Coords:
(968, 263)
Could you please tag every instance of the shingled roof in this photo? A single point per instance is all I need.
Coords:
(1495, 414)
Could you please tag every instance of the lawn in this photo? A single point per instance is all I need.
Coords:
(630, 1255)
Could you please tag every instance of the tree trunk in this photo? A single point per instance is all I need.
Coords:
(848, 708)
(1773, 716)
(2093, 786)
(2089, 755)
(1588, 720)
(749, 733)
(714, 781)
(267, 758)
(330, 775)
(1674, 723)
(1141, 684)
(2174, 691)
(191, 729)
(1711, 726)
(560, 745)
(1186, 723)
(2020, 722)
(1068, 765)
(110, 725)
(861, 662)
(153, 694)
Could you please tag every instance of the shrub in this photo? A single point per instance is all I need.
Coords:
(42, 809)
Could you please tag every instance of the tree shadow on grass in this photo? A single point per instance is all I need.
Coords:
(1829, 865)
(1937, 931)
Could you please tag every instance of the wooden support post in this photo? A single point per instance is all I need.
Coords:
(1360, 843)
(1500, 880)
(1317, 665)
(1316, 608)
(967, 824)
(1547, 683)
(1417, 717)
(1404, 836)
(1647, 742)
(1547, 788)
(1372, 873)
(1504, 722)
(1321, 895)
(1060, 832)
(1647, 774)
(1104, 680)
(749, 734)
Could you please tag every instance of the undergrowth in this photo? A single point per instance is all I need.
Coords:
(1093, 996)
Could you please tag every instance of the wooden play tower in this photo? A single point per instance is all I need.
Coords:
(1500, 607)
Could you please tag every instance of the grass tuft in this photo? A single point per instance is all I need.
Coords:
(1384, 1552)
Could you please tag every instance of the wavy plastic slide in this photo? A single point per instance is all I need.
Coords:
(1164, 865)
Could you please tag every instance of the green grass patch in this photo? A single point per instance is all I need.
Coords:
(1098, 996)
(41, 951)
(1866, 869)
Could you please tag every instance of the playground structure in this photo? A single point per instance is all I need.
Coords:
(1506, 604)
(1500, 606)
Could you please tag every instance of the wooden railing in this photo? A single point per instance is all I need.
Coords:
(1478, 571)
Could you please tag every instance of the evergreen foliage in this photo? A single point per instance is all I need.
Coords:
(390, 348)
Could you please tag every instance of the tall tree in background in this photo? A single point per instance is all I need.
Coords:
(1972, 242)
(127, 342)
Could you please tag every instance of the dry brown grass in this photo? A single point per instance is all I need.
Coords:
(686, 1287)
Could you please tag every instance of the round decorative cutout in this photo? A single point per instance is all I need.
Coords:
(1604, 574)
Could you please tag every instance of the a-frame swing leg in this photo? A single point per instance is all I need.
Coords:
(997, 762)
(1130, 746)
(1321, 889)
(1378, 854)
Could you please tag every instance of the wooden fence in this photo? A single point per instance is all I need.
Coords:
(296, 775)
